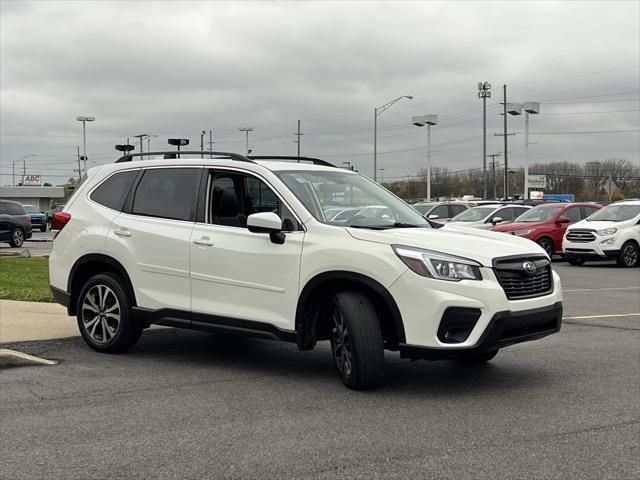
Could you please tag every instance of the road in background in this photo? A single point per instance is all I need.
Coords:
(38, 245)
(186, 404)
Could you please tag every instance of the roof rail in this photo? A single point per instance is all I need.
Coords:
(175, 153)
(315, 161)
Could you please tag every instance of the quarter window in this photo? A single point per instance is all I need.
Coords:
(166, 193)
(113, 191)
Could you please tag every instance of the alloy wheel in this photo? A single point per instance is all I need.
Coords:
(101, 313)
(18, 237)
(630, 255)
(342, 349)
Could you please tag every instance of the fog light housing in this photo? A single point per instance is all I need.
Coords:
(608, 241)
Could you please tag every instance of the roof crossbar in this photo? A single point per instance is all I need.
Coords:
(315, 161)
(175, 153)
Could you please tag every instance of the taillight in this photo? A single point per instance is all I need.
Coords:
(59, 220)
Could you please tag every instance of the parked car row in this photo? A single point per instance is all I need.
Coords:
(15, 224)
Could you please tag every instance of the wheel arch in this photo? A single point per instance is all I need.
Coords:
(92, 264)
(313, 299)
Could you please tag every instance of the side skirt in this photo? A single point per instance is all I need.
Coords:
(211, 323)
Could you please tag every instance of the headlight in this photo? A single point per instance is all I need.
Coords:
(522, 232)
(607, 231)
(438, 265)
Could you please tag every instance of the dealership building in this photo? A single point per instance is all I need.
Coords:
(40, 197)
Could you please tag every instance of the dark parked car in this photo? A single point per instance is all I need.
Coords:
(38, 219)
(15, 224)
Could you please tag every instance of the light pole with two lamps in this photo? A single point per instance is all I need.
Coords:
(376, 112)
(84, 120)
(246, 131)
(530, 108)
(428, 121)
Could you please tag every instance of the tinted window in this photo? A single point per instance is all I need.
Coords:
(441, 211)
(572, 214)
(234, 196)
(505, 214)
(112, 192)
(12, 208)
(456, 209)
(166, 193)
(586, 211)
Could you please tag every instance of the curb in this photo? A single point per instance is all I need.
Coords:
(13, 358)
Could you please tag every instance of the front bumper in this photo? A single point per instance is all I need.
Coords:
(505, 328)
(595, 250)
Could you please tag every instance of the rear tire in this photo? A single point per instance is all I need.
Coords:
(104, 315)
(629, 255)
(575, 261)
(356, 341)
(547, 245)
(17, 237)
(479, 358)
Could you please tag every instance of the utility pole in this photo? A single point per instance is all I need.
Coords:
(141, 137)
(493, 171)
(211, 142)
(298, 134)
(246, 131)
(202, 143)
(484, 92)
(79, 168)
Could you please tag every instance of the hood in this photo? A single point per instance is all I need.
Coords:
(602, 225)
(479, 245)
(510, 227)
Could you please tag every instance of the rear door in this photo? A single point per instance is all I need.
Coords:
(237, 275)
(151, 236)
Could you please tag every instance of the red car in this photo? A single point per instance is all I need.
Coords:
(546, 224)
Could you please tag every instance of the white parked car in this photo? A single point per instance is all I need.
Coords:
(242, 245)
(611, 233)
(486, 216)
(440, 211)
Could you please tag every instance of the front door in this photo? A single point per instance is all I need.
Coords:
(236, 274)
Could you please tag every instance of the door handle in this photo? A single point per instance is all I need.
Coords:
(204, 241)
(123, 232)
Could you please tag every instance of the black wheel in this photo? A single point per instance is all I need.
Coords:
(104, 315)
(43, 228)
(547, 244)
(356, 341)
(17, 237)
(575, 261)
(479, 358)
(629, 255)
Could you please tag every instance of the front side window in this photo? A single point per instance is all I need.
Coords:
(112, 192)
(441, 211)
(234, 196)
(505, 214)
(474, 214)
(366, 204)
(166, 193)
(572, 214)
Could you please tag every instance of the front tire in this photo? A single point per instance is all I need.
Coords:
(575, 261)
(356, 341)
(43, 228)
(104, 315)
(629, 255)
(17, 237)
(547, 245)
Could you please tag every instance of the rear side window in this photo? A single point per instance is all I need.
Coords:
(12, 208)
(166, 193)
(112, 192)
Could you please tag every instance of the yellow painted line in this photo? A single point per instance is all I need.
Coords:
(599, 289)
(603, 316)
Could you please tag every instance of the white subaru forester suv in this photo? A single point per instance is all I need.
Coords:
(241, 245)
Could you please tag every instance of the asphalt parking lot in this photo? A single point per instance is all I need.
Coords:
(190, 405)
(38, 245)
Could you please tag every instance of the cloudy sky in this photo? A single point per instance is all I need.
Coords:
(173, 69)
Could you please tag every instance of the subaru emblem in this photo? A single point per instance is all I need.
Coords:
(530, 267)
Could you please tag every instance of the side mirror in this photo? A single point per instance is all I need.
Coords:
(563, 220)
(433, 217)
(267, 222)
(496, 220)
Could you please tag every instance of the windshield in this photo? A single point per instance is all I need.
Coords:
(615, 213)
(538, 214)
(365, 203)
(474, 214)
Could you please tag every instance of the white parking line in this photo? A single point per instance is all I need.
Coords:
(583, 317)
(599, 289)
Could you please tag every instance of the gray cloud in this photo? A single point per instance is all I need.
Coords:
(175, 68)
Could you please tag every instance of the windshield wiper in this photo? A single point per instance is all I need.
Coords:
(405, 225)
(386, 227)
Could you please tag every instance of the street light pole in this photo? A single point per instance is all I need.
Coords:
(484, 92)
(428, 121)
(246, 130)
(376, 112)
(381, 176)
(506, 154)
(202, 133)
(84, 120)
(530, 108)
